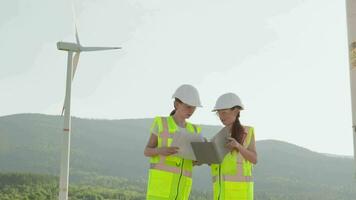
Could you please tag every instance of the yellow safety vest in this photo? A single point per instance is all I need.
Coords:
(170, 177)
(232, 179)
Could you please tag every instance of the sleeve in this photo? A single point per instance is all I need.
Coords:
(252, 140)
(155, 126)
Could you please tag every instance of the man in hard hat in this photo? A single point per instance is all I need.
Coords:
(232, 179)
(170, 177)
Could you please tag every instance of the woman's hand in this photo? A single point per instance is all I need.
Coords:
(233, 144)
(167, 151)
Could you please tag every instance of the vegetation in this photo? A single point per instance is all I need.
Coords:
(107, 162)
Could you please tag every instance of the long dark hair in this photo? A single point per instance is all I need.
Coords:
(174, 111)
(237, 131)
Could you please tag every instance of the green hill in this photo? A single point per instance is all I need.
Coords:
(31, 143)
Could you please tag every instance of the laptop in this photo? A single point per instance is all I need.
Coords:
(212, 152)
(205, 152)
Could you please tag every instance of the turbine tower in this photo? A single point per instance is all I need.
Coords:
(72, 63)
(351, 27)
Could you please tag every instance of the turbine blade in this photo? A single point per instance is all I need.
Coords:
(75, 23)
(76, 34)
(98, 48)
(62, 111)
(63, 108)
(75, 63)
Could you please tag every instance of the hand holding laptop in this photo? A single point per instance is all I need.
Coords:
(183, 140)
(212, 152)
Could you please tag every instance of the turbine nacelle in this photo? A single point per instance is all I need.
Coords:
(69, 46)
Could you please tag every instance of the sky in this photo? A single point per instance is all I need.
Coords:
(286, 59)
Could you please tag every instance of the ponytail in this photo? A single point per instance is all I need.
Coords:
(237, 131)
(174, 111)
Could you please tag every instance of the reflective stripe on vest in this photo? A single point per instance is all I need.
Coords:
(236, 178)
(167, 168)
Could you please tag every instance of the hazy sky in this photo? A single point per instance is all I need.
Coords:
(286, 59)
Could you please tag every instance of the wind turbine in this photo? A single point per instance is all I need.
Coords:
(72, 63)
(351, 26)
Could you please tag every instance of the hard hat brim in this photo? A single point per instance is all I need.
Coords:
(216, 109)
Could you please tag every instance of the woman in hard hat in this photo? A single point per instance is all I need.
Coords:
(232, 179)
(170, 177)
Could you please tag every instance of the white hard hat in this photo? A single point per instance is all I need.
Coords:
(228, 100)
(188, 94)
